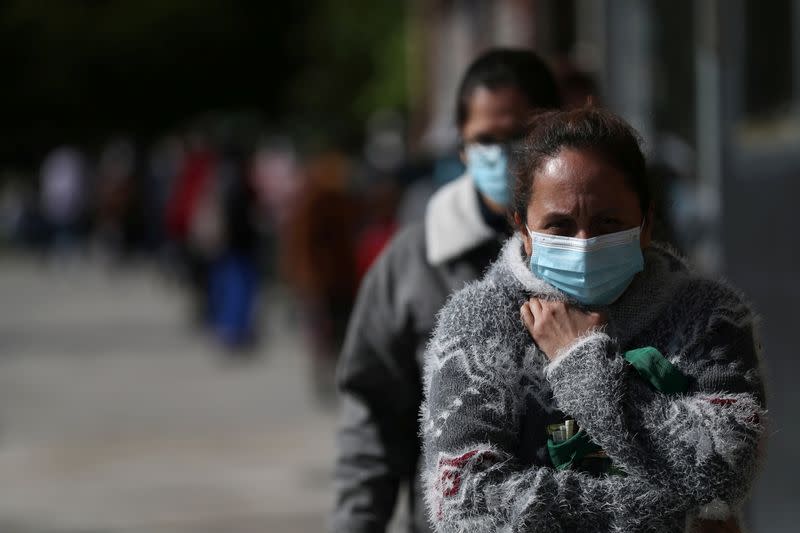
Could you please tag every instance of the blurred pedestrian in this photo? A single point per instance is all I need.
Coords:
(463, 228)
(192, 220)
(235, 276)
(320, 260)
(116, 198)
(579, 89)
(164, 161)
(277, 180)
(380, 206)
(63, 198)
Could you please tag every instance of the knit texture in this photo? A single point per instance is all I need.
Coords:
(489, 394)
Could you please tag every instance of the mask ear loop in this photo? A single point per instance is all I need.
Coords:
(530, 234)
(641, 228)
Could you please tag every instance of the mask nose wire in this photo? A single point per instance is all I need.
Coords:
(641, 228)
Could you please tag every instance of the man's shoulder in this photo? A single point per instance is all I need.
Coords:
(410, 236)
(406, 249)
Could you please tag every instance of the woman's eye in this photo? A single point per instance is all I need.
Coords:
(558, 224)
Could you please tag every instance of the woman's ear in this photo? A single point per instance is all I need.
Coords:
(523, 231)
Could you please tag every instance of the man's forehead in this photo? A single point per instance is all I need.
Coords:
(497, 101)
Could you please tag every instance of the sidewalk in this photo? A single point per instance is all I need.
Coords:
(115, 417)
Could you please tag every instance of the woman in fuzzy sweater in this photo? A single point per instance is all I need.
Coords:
(591, 381)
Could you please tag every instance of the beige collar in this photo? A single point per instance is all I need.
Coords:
(453, 222)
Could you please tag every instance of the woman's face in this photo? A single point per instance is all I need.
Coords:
(578, 194)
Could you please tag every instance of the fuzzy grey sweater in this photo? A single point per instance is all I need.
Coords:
(490, 393)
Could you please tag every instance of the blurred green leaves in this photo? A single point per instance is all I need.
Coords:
(354, 63)
(81, 70)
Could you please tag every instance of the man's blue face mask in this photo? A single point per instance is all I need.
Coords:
(488, 166)
(594, 271)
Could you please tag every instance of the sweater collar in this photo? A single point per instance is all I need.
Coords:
(646, 297)
(515, 261)
(453, 222)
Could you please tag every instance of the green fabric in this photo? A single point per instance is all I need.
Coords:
(564, 454)
(653, 367)
(659, 372)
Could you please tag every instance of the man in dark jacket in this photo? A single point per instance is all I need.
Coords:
(379, 374)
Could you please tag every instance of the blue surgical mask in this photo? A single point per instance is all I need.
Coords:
(488, 166)
(594, 271)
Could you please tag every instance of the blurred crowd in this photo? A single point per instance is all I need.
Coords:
(228, 213)
(227, 219)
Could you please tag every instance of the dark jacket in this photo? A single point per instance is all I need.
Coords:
(379, 374)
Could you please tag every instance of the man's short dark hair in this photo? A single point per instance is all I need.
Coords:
(505, 67)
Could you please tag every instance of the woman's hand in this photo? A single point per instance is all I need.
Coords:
(555, 326)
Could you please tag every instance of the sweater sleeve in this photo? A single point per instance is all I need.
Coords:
(703, 444)
(472, 477)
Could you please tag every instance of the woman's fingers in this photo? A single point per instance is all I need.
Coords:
(597, 319)
(556, 325)
(536, 308)
(527, 317)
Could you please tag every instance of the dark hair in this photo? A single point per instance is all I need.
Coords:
(506, 67)
(588, 128)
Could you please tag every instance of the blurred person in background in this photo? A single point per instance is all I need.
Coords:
(380, 207)
(578, 87)
(164, 161)
(277, 180)
(12, 208)
(115, 190)
(192, 220)
(235, 274)
(319, 260)
(64, 184)
(379, 373)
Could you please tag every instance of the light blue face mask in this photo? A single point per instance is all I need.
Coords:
(488, 166)
(594, 271)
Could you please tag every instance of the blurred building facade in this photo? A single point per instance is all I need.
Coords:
(713, 86)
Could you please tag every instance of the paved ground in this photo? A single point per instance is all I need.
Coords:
(115, 416)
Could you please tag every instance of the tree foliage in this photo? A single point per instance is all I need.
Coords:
(81, 70)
